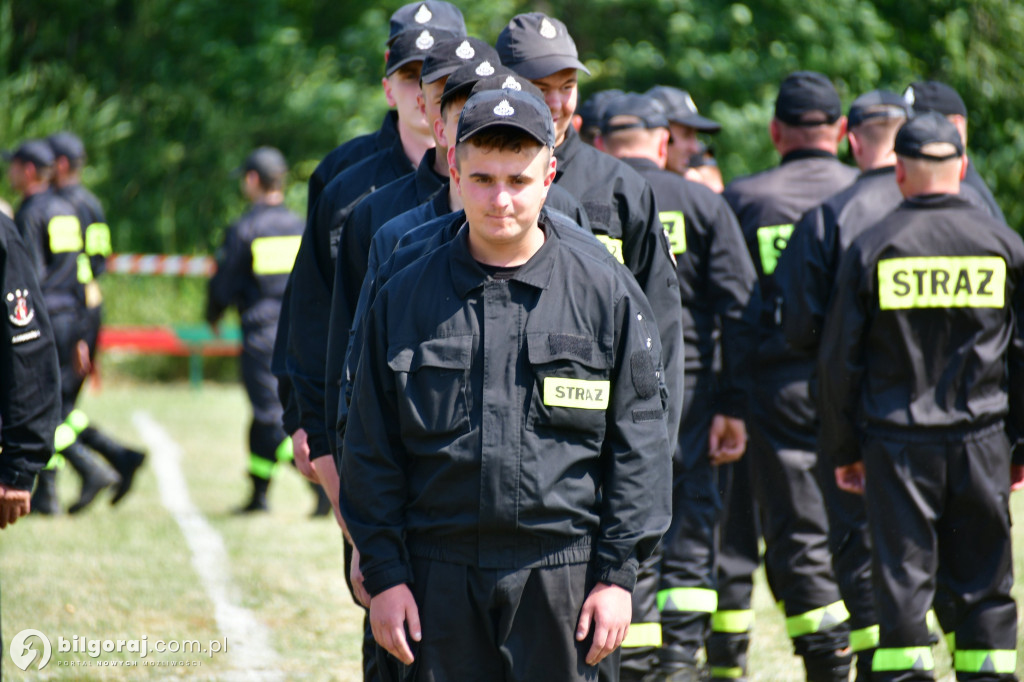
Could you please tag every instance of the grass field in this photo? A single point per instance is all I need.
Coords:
(126, 572)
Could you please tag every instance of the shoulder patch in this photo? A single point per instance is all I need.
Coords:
(645, 380)
(19, 311)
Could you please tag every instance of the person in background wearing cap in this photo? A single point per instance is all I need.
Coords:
(69, 157)
(253, 265)
(510, 378)
(587, 119)
(716, 279)
(619, 203)
(703, 168)
(53, 234)
(937, 96)
(806, 130)
(922, 343)
(685, 123)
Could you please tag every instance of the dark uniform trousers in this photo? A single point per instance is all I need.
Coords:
(950, 495)
(268, 443)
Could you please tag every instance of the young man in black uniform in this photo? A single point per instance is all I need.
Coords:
(716, 279)
(618, 202)
(524, 375)
(253, 265)
(936, 96)
(922, 343)
(69, 156)
(684, 123)
(806, 130)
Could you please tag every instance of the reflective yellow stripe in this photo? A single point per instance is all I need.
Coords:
(942, 282)
(274, 255)
(56, 461)
(643, 635)
(77, 420)
(84, 269)
(771, 242)
(722, 673)
(817, 620)
(931, 621)
(696, 599)
(285, 452)
(906, 658)
(614, 246)
(985, 661)
(261, 468)
(732, 621)
(675, 227)
(579, 393)
(951, 642)
(65, 234)
(97, 240)
(864, 639)
(63, 436)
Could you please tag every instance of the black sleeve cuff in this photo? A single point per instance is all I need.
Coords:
(623, 576)
(386, 578)
(15, 478)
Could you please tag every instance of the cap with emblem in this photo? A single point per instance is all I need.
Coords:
(934, 96)
(67, 145)
(680, 108)
(434, 15)
(807, 98)
(449, 55)
(536, 46)
(631, 111)
(413, 46)
(876, 104)
(37, 152)
(592, 108)
(471, 78)
(929, 136)
(268, 162)
(492, 108)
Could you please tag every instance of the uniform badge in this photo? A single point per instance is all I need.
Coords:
(423, 14)
(690, 103)
(425, 41)
(18, 310)
(548, 30)
(465, 50)
(511, 84)
(485, 69)
(504, 109)
(908, 96)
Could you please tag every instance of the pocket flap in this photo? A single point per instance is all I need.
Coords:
(543, 347)
(451, 352)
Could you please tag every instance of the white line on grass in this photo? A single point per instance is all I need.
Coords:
(248, 640)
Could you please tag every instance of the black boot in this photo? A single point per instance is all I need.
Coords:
(677, 665)
(834, 667)
(323, 503)
(124, 460)
(95, 475)
(44, 499)
(258, 501)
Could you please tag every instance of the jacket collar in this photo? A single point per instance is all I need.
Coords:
(467, 274)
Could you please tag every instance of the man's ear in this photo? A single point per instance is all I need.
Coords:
(453, 172)
(552, 167)
(386, 84)
(438, 124)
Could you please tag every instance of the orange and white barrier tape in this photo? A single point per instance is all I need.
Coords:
(155, 264)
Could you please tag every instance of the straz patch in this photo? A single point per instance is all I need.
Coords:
(674, 223)
(579, 393)
(19, 312)
(942, 282)
(771, 242)
(613, 245)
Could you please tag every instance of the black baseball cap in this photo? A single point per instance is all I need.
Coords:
(934, 96)
(930, 136)
(430, 14)
(449, 55)
(592, 108)
(633, 111)
(680, 108)
(413, 46)
(492, 108)
(268, 162)
(66, 144)
(489, 76)
(37, 152)
(802, 94)
(536, 46)
(877, 104)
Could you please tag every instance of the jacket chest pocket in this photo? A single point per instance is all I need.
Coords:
(572, 386)
(432, 380)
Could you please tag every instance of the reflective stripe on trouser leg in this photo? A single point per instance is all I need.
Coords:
(999, 661)
(261, 467)
(732, 621)
(285, 451)
(642, 635)
(903, 658)
(722, 673)
(696, 599)
(77, 420)
(817, 620)
(864, 638)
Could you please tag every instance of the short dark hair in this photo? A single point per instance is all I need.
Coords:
(498, 138)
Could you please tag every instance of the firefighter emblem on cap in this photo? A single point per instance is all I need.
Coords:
(690, 104)
(425, 41)
(504, 109)
(19, 311)
(423, 14)
(465, 50)
(547, 29)
(908, 96)
(485, 69)
(511, 84)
